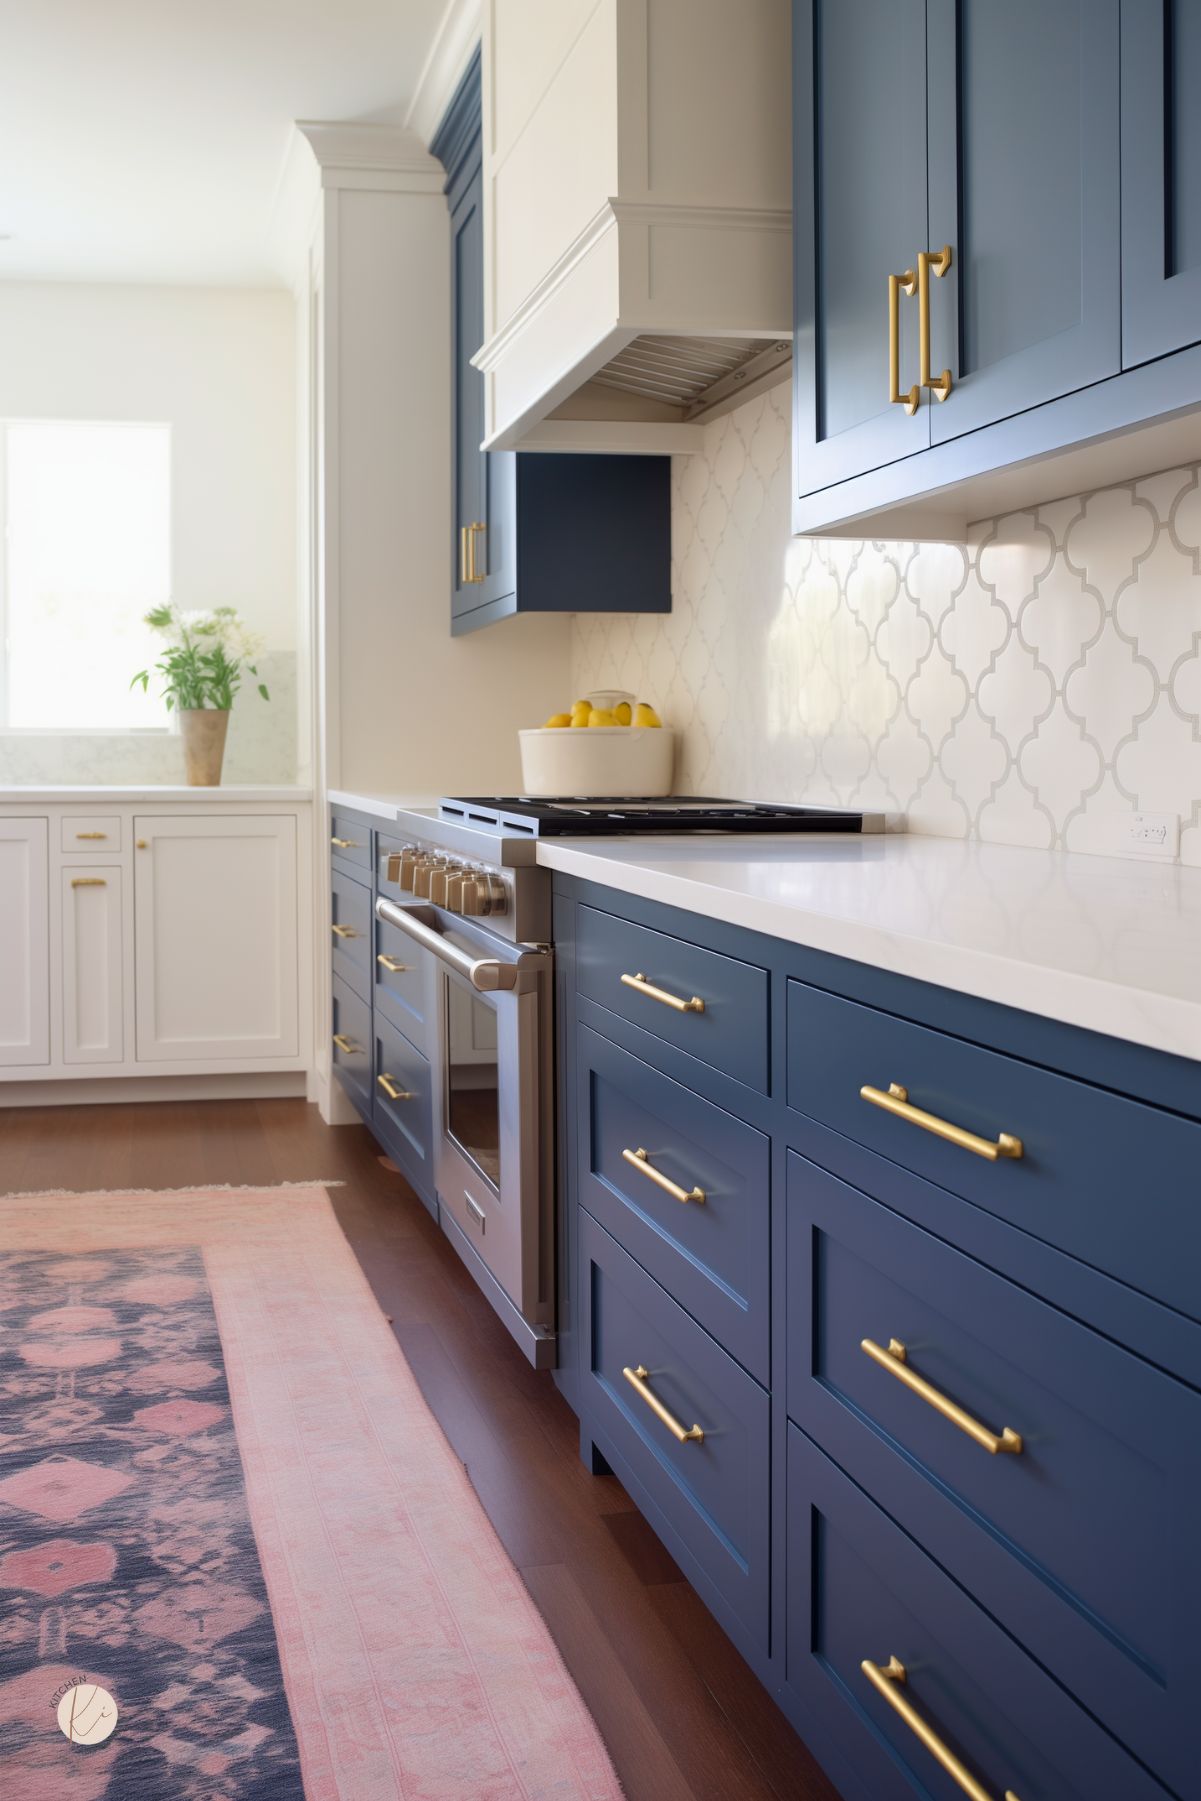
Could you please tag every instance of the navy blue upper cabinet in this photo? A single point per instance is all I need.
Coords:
(859, 202)
(1161, 177)
(534, 533)
(1023, 186)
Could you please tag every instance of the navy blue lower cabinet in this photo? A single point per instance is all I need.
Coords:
(1080, 1535)
(887, 1657)
(683, 1426)
(402, 1116)
(351, 1053)
(685, 1187)
(350, 913)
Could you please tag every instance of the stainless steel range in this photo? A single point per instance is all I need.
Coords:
(467, 895)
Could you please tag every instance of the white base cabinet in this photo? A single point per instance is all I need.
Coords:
(152, 942)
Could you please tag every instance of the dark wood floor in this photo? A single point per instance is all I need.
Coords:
(678, 1707)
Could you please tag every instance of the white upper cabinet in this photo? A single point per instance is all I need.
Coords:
(215, 939)
(24, 943)
(637, 217)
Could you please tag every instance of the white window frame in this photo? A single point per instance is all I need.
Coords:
(170, 727)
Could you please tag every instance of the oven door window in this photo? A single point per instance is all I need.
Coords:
(473, 1078)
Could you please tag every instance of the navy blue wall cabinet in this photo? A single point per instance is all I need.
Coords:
(1041, 1593)
(1053, 146)
(531, 532)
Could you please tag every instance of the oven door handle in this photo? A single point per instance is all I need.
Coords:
(486, 974)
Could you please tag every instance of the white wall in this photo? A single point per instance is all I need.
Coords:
(218, 366)
(413, 711)
(1034, 686)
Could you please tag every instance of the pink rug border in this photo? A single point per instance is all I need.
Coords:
(470, 1699)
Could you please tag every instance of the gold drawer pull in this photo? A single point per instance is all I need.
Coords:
(347, 1046)
(895, 1361)
(637, 1379)
(343, 931)
(940, 262)
(91, 835)
(393, 965)
(898, 285)
(897, 1101)
(640, 984)
(641, 1160)
(346, 843)
(887, 1680)
(469, 573)
(392, 1091)
(88, 881)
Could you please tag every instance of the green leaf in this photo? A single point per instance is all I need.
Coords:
(263, 691)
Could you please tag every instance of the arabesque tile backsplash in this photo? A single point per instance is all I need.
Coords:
(1033, 687)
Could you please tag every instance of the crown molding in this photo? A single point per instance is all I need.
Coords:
(454, 43)
(378, 155)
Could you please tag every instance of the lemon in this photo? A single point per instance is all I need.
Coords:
(622, 713)
(559, 719)
(645, 714)
(602, 716)
(580, 710)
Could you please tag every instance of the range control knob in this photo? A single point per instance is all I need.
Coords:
(494, 898)
(440, 881)
(456, 886)
(423, 875)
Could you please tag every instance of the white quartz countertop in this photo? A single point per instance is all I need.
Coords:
(97, 794)
(388, 807)
(1110, 944)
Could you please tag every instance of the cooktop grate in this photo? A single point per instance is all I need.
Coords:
(581, 816)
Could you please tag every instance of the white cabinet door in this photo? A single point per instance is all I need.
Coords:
(215, 939)
(92, 964)
(24, 943)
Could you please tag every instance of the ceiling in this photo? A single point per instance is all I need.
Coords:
(143, 140)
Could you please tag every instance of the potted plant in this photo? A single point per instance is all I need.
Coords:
(201, 666)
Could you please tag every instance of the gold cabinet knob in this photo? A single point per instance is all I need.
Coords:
(143, 844)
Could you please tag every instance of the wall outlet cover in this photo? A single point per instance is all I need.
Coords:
(1150, 835)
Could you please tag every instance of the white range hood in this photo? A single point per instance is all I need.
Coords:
(637, 218)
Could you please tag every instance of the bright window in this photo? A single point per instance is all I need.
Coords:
(87, 550)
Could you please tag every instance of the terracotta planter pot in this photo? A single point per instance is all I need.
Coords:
(204, 730)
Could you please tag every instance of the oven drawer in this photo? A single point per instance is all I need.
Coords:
(350, 915)
(1108, 1180)
(402, 1103)
(403, 974)
(709, 1005)
(350, 843)
(708, 1495)
(860, 1591)
(1082, 1542)
(351, 1051)
(707, 1240)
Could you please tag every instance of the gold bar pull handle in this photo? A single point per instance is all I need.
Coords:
(346, 1045)
(641, 986)
(888, 1680)
(898, 285)
(343, 931)
(641, 1160)
(469, 573)
(391, 1090)
(346, 844)
(91, 835)
(88, 881)
(638, 1378)
(896, 1101)
(896, 1361)
(393, 965)
(940, 262)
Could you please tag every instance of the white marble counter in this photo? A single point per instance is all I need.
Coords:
(381, 806)
(98, 795)
(1111, 944)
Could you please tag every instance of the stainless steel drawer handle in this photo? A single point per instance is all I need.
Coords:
(486, 974)
(641, 986)
(392, 1091)
(393, 965)
(888, 1680)
(638, 1379)
(347, 1045)
(344, 932)
(641, 1160)
(895, 1361)
(897, 1101)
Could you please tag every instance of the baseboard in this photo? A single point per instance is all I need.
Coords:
(85, 1091)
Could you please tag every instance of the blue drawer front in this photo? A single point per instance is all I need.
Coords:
(1107, 1180)
(404, 987)
(1083, 1544)
(713, 1495)
(711, 1254)
(404, 1120)
(350, 843)
(859, 1588)
(352, 1058)
(731, 1034)
(350, 915)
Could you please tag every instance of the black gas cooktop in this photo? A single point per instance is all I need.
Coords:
(576, 816)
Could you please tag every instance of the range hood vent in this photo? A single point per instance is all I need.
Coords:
(693, 375)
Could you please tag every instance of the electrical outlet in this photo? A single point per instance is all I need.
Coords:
(1151, 835)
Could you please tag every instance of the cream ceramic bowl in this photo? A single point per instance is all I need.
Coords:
(606, 762)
